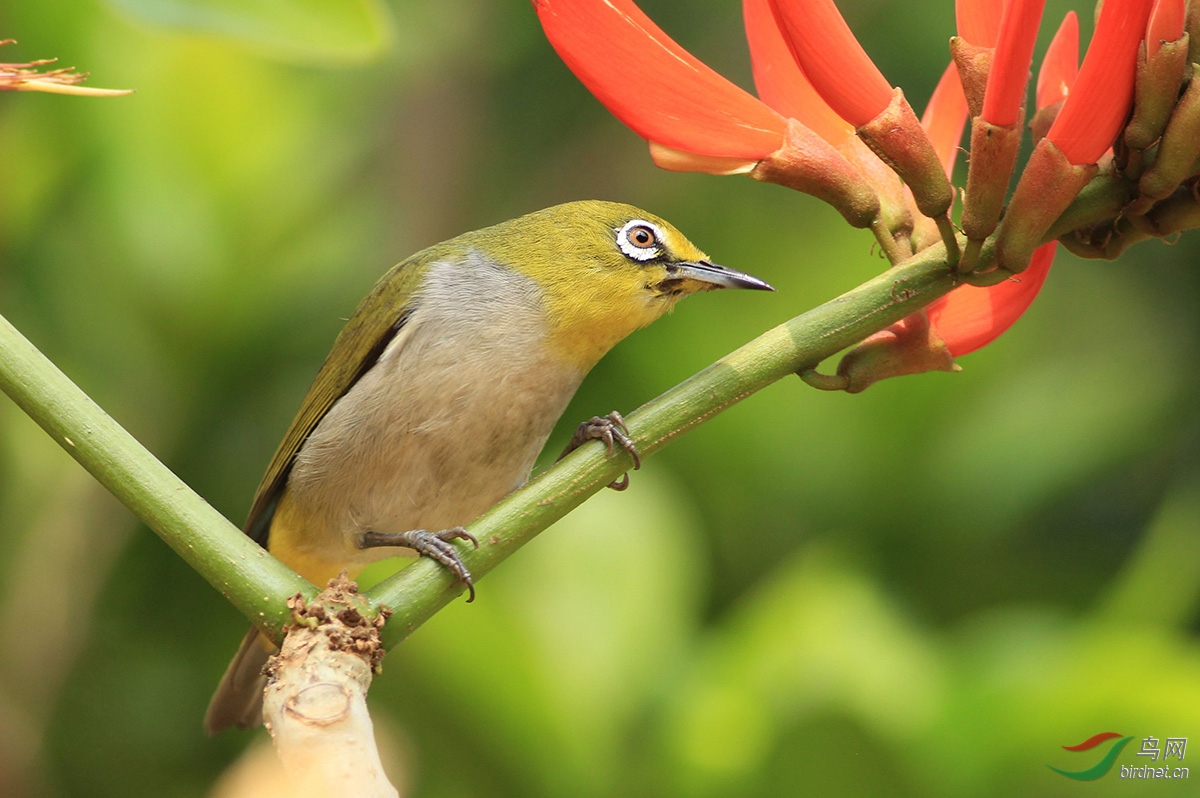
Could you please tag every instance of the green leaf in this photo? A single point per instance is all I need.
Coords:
(554, 664)
(304, 31)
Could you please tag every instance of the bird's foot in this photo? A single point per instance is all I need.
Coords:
(434, 545)
(610, 430)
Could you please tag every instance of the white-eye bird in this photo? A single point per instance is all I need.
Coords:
(443, 387)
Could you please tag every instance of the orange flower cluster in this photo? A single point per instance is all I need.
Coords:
(828, 123)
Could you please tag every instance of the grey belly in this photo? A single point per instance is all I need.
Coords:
(427, 439)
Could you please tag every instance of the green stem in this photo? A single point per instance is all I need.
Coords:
(421, 589)
(949, 238)
(256, 583)
(892, 249)
(1102, 198)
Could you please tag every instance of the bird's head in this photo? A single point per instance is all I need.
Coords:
(606, 269)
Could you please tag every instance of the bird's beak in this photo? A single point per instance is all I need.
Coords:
(714, 276)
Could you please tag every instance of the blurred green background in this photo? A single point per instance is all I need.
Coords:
(924, 590)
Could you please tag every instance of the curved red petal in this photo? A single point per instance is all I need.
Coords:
(978, 21)
(780, 82)
(945, 117)
(1010, 65)
(837, 65)
(674, 160)
(1102, 95)
(1165, 25)
(1060, 67)
(653, 85)
(970, 317)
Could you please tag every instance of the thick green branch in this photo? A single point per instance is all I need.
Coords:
(420, 590)
(259, 585)
(256, 583)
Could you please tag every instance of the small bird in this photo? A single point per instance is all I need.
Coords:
(443, 387)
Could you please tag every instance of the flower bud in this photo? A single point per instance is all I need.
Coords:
(910, 346)
(974, 63)
(1060, 68)
(993, 154)
(808, 163)
(896, 136)
(1177, 152)
(1047, 186)
(1156, 91)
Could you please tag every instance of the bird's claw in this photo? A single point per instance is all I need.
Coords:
(610, 430)
(434, 545)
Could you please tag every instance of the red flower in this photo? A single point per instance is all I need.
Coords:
(971, 317)
(1100, 101)
(1165, 25)
(1060, 67)
(1010, 69)
(656, 87)
(828, 54)
(978, 21)
(945, 117)
(996, 133)
(1087, 125)
(820, 94)
(832, 58)
(696, 120)
(687, 112)
(780, 84)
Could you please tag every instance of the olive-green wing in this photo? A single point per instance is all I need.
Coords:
(358, 346)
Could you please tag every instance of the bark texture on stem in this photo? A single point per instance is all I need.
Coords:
(315, 706)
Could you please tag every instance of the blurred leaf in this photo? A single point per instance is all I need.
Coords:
(550, 668)
(289, 30)
(817, 640)
(1159, 583)
(1026, 682)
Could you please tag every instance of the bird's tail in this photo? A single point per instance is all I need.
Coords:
(239, 696)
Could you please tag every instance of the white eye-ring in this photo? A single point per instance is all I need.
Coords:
(640, 240)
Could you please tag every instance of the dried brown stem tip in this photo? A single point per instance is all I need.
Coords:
(27, 77)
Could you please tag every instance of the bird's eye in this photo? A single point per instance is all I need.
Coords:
(641, 236)
(640, 240)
